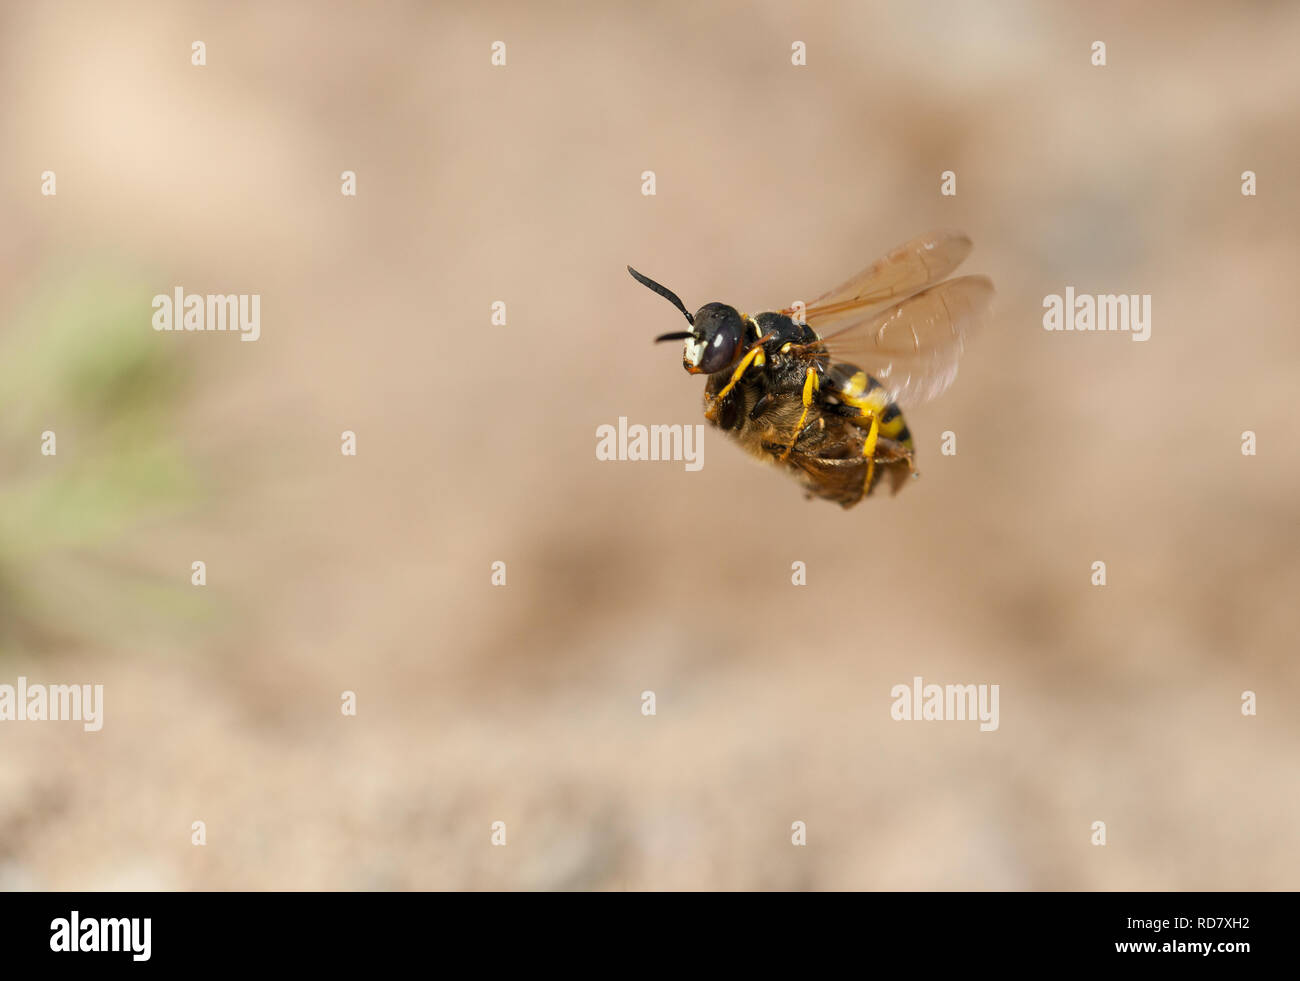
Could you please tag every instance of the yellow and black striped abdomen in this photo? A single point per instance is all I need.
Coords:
(854, 387)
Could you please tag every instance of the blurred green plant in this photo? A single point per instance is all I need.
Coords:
(83, 362)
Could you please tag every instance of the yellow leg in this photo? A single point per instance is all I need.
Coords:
(810, 386)
(869, 450)
(754, 357)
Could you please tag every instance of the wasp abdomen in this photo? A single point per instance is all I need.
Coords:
(854, 387)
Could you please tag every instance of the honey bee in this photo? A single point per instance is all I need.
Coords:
(817, 391)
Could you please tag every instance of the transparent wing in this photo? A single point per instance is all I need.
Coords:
(912, 347)
(908, 269)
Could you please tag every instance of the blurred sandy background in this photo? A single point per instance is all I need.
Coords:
(477, 444)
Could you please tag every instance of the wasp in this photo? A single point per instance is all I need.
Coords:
(816, 389)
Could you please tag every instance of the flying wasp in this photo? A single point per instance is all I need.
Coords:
(817, 390)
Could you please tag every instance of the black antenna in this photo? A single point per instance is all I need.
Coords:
(669, 295)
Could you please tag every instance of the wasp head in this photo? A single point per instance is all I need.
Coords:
(716, 334)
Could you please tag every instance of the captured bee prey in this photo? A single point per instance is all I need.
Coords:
(819, 394)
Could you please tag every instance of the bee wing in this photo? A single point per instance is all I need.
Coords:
(912, 347)
(908, 269)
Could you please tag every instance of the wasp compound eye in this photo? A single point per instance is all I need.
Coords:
(720, 351)
(721, 331)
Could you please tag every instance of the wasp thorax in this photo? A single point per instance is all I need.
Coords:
(719, 330)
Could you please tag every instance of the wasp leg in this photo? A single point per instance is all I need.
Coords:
(753, 358)
(783, 450)
(766, 398)
(810, 384)
(869, 450)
